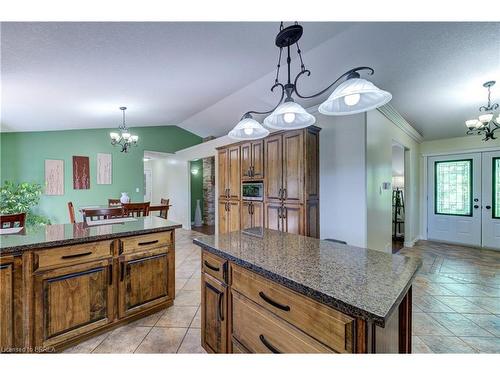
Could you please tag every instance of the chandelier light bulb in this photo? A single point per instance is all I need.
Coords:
(248, 131)
(126, 135)
(134, 138)
(114, 136)
(351, 100)
(289, 117)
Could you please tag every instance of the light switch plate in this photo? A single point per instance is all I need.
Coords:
(136, 190)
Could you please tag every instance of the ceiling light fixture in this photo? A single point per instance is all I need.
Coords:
(125, 139)
(353, 95)
(485, 124)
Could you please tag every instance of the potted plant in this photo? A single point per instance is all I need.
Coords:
(22, 197)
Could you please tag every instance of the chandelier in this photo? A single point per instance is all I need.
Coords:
(124, 138)
(485, 124)
(353, 95)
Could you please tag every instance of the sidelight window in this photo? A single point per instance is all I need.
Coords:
(496, 188)
(453, 187)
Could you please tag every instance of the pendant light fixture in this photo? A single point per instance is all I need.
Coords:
(485, 124)
(124, 138)
(353, 95)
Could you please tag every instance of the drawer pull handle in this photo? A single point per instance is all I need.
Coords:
(268, 345)
(213, 268)
(76, 255)
(147, 243)
(274, 303)
(122, 271)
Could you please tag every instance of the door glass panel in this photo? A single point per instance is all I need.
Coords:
(496, 188)
(453, 187)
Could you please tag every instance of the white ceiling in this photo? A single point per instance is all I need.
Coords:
(204, 76)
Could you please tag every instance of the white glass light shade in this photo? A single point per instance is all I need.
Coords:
(134, 138)
(398, 182)
(486, 118)
(289, 115)
(344, 99)
(248, 128)
(126, 136)
(471, 124)
(114, 136)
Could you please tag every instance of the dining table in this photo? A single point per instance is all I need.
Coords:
(153, 207)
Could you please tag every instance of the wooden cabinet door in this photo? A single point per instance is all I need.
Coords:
(293, 218)
(223, 217)
(273, 218)
(274, 167)
(234, 215)
(258, 160)
(222, 160)
(257, 214)
(246, 160)
(293, 166)
(144, 281)
(234, 180)
(6, 305)
(73, 300)
(213, 315)
(246, 215)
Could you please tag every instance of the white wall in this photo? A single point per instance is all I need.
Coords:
(342, 178)
(380, 134)
(172, 178)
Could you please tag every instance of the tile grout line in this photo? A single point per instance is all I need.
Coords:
(187, 330)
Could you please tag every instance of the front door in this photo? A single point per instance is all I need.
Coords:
(454, 199)
(491, 200)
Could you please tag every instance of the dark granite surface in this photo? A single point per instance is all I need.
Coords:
(69, 234)
(362, 283)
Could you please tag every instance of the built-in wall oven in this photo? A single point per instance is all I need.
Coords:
(252, 191)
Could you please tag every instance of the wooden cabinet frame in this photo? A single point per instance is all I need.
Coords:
(214, 315)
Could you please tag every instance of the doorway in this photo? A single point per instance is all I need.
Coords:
(398, 197)
(202, 172)
(148, 185)
(464, 194)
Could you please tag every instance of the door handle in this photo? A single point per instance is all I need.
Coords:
(285, 193)
(122, 270)
(488, 207)
(280, 193)
(228, 192)
(219, 309)
(76, 255)
(274, 303)
(110, 274)
(252, 208)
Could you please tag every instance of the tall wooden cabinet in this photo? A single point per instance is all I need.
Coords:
(288, 165)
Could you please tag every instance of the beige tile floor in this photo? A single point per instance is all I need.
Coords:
(456, 299)
(456, 305)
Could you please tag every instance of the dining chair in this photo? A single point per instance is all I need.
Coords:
(71, 210)
(102, 213)
(164, 212)
(114, 202)
(9, 221)
(136, 209)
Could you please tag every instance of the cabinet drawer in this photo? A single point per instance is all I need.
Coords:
(325, 324)
(263, 332)
(145, 242)
(214, 265)
(68, 255)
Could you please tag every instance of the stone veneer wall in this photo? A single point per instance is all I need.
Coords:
(209, 191)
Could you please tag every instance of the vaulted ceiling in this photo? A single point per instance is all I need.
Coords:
(204, 76)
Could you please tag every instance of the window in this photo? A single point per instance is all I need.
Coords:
(496, 188)
(453, 187)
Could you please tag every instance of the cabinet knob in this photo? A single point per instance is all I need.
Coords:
(488, 207)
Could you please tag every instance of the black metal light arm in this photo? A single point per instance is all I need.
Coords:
(250, 113)
(353, 73)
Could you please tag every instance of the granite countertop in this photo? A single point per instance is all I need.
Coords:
(70, 234)
(363, 283)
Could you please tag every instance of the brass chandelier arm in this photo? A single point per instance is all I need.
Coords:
(353, 73)
(250, 113)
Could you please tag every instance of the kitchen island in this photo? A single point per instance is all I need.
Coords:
(61, 284)
(265, 291)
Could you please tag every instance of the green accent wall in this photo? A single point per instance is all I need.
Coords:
(196, 186)
(23, 157)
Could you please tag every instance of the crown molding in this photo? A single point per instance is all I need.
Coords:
(395, 117)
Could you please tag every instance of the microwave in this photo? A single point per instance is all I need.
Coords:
(252, 191)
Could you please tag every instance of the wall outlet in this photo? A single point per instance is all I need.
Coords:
(136, 190)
